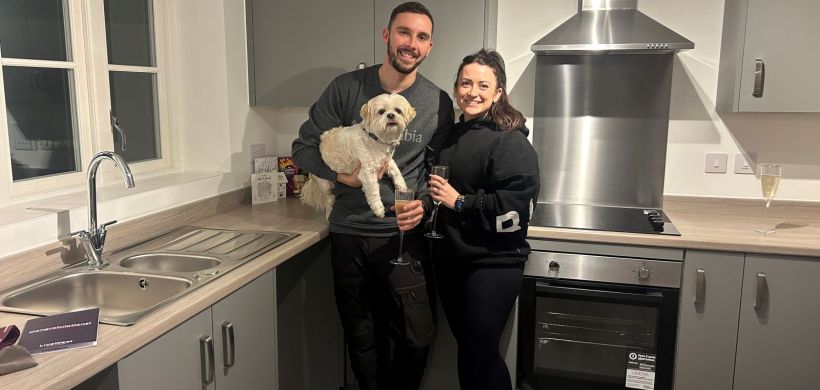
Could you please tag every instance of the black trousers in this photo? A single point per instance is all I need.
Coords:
(477, 301)
(385, 309)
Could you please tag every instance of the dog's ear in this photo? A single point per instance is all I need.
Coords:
(366, 110)
(411, 112)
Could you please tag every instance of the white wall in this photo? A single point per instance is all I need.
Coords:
(695, 128)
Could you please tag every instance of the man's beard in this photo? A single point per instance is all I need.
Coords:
(394, 61)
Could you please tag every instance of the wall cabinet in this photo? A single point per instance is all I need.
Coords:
(709, 306)
(768, 56)
(778, 345)
(231, 345)
(295, 48)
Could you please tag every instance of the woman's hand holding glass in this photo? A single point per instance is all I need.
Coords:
(443, 192)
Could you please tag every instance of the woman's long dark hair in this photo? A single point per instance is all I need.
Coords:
(502, 113)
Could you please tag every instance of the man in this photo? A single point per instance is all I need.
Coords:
(384, 308)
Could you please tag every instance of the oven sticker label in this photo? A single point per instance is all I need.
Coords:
(640, 370)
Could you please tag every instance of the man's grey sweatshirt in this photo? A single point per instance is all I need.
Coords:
(339, 105)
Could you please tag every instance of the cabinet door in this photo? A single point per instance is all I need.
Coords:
(248, 361)
(783, 35)
(298, 46)
(173, 361)
(778, 344)
(709, 305)
(461, 27)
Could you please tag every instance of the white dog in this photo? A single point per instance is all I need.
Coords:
(367, 145)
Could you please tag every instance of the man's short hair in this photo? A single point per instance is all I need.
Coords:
(411, 7)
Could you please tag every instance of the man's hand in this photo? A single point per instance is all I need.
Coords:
(350, 179)
(411, 216)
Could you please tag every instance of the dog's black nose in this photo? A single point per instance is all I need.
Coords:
(391, 115)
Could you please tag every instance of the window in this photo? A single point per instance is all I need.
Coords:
(70, 69)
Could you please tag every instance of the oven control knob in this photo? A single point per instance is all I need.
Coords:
(554, 266)
(644, 273)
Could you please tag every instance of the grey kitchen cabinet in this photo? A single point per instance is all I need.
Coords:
(310, 332)
(172, 361)
(769, 56)
(778, 344)
(199, 354)
(295, 48)
(707, 322)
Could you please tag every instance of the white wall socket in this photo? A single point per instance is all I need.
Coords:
(742, 165)
(716, 162)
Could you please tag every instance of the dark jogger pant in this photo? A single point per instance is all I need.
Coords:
(384, 308)
(477, 301)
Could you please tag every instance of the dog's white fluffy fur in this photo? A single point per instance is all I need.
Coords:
(367, 145)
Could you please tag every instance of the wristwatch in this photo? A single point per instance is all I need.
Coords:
(459, 205)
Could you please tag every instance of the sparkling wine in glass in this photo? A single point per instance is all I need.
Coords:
(403, 199)
(444, 172)
(769, 181)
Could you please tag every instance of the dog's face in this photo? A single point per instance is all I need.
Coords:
(387, 115)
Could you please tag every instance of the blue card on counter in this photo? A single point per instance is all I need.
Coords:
(59, 332)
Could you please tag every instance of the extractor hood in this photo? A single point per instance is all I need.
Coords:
(603, 26)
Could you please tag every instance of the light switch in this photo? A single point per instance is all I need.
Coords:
(716, 162)
(742, 165)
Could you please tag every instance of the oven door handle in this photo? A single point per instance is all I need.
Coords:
(651, 297)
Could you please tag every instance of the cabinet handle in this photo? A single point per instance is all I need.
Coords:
(206, 352)
(760, 290)
(700, 287)
(228, 345)
(760, 76)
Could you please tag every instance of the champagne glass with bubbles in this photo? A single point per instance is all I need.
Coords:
(403, 199)
(444, 172)
(769, 181)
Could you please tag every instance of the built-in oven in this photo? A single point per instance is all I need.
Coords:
(597, 322)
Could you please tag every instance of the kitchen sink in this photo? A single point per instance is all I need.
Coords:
(137, 280)
(122, 297)
(170, 262)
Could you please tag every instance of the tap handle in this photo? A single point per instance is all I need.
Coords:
(79, 233)
(103, 226)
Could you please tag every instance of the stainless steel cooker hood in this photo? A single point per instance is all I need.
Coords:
(603, 26)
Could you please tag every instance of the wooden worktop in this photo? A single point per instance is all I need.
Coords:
(66, 369)
(705, 223)
(719, 224)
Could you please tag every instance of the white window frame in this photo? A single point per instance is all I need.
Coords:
(92, 102)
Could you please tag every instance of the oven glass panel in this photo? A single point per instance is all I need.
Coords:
(584, 339)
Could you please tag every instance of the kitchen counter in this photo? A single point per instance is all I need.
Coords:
(66, 369)
(719, 224)
(705, 223)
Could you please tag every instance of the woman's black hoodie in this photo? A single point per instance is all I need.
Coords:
(497, 172)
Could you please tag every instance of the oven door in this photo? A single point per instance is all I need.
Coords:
(579, 334)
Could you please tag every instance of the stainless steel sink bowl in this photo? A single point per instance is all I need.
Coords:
(140, 279)
(170, 262)
(123, 298)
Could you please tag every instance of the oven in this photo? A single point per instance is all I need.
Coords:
(597, 322)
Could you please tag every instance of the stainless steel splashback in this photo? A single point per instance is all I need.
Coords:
(600, 128)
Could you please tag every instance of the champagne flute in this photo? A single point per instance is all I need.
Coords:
(403, 199)
(444, 172)
(769, 181)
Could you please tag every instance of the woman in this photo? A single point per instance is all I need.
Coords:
(492, 187)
